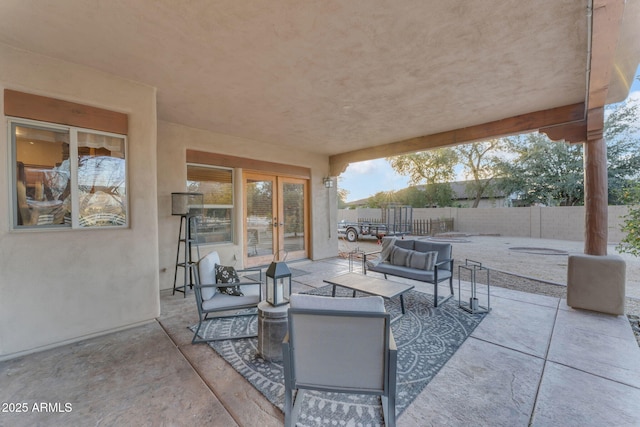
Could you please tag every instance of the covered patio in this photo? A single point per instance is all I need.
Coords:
(287, 93)
(532, 361)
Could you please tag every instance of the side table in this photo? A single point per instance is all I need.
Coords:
(272, 328)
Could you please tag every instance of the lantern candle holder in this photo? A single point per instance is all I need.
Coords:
(472, 268)
(278, 283)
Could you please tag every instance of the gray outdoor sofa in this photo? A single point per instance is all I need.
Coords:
(421, 260)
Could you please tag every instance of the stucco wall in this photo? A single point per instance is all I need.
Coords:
(173, 142)
(61, 286)
(562, 223)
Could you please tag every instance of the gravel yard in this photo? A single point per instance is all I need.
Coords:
(530, 265)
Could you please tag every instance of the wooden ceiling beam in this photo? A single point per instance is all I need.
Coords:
(513, 125)
(573, 133)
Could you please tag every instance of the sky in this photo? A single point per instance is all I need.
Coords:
(364, 179)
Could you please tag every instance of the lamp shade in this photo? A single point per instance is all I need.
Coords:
(187, 203)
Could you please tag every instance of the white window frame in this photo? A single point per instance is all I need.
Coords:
(73, 163)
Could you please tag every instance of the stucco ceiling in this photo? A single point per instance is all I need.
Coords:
(327, 76)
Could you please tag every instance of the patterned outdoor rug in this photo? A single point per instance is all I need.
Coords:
(426, 339)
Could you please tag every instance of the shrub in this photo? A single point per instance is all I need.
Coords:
(631, 224)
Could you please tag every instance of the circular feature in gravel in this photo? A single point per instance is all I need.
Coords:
(538, 251)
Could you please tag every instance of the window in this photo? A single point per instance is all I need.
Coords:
(67, 177)
(216, 224)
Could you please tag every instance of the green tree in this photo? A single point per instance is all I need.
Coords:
(543, 171)
(621, 132)
(382, 199)
(436, 168)
(552, 173)
(342, 198)
(430, 167)
(428, 195)
(622, 123)
(631, 224)
(481, 160)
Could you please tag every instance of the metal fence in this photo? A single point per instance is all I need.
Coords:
(421, 227)
(431, 227)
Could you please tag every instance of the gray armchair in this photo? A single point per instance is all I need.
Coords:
(213, 304)
(342, 345)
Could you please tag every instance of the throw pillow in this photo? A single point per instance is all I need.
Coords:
(417, 260)
(422, 260)
(399, 256)
(228, 275)
(432, 258)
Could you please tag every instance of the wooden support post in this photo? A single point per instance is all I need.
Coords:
(595, 197)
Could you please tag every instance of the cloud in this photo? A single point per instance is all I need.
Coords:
(361, 168)
(364, 179)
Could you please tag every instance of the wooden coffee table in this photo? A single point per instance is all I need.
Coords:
(371, 286)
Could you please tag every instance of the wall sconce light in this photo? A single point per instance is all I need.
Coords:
(328, 182)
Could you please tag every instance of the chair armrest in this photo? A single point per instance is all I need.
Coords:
(440, 263)
(443, 262)
(210, 285)
(366, 254)
(287, 364)
(243, 283)
(392, 372)
(252, 270)
(226, 285)
(255, 270)
(364, 258)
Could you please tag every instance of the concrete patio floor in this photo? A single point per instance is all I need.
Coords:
(532, 361)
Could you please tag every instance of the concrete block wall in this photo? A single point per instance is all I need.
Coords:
(616, 219)
(562, 223)
(503, 221)
(435, 213)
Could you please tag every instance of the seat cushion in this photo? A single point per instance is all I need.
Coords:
(411, 273)
(220, 301)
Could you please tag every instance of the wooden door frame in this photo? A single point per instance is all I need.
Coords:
(257, 175)
(280, 181)
(278, 210)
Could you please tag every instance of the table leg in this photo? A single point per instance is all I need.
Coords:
(333, 294)
(402, 302)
